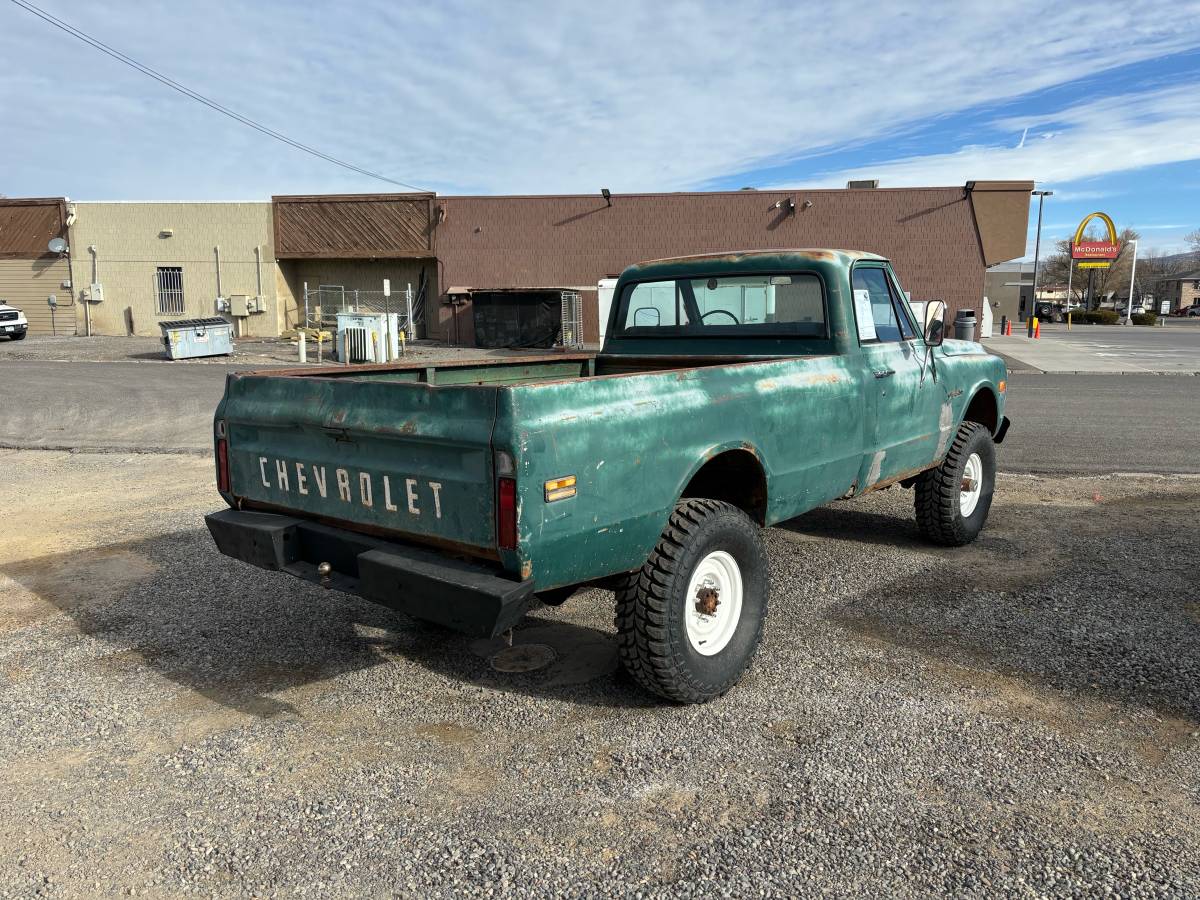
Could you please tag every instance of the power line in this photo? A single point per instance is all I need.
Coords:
(200, 98)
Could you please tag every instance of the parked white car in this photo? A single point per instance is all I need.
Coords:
(13, 323)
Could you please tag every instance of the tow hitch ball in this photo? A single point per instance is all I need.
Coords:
(323, 571)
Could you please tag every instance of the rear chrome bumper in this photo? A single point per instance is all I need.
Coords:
(470, 597)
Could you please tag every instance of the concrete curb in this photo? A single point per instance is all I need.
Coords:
(1182, 372)
(1190, 476)
(81, 448)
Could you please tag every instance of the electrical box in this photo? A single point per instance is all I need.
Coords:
(368, 337)
(239, 305)
(222, 305)
(255, 305)
(95, 292)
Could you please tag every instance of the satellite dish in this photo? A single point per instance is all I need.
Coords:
(57, 245)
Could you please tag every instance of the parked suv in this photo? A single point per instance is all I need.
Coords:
(13, 323)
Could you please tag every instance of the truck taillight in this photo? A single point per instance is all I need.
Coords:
(223, 465)
(506, 513)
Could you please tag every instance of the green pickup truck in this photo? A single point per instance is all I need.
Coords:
(733, 391)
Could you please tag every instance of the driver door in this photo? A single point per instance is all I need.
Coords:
(903, 400)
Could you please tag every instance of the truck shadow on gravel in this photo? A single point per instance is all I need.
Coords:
(1088, 600)
(247, 639)
(1099, 605)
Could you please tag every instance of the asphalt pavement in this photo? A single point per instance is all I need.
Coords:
(109, 405)
(1097, 349)
(1061, 423)
(1075, 424)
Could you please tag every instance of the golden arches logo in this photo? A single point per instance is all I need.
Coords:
(1112, 229)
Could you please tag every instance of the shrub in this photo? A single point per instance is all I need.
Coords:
(1098, 317)
(1145, 319)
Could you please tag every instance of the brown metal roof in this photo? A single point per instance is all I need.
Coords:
(354, 226)
(27, 226)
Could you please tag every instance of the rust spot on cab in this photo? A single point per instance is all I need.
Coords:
(526, 569)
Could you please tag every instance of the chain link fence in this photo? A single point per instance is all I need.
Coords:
(323, 304)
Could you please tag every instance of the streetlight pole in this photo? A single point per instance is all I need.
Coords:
(1037, 247)
(1132, 273)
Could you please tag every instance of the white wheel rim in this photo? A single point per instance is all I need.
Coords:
(972, 485)
(712, 620)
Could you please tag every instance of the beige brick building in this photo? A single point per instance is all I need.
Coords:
(161, 261)
(1182, 290)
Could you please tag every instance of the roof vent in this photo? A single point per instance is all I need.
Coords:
(867, 184)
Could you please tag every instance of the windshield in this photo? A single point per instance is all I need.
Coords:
(728, 305)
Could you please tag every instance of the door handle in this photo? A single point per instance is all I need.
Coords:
(884, 373)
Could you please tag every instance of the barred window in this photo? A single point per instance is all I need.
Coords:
(170, 290)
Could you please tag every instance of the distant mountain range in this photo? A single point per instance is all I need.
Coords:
(1183, 260)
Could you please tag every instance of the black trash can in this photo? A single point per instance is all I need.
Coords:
(964, 325)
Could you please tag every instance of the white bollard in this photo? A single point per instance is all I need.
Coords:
(303, 345)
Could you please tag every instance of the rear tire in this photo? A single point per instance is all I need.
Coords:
(953, 500)
(690, 620)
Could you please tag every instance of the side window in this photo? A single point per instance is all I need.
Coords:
(873, 302)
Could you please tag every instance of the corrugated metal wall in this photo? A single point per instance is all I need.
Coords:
(26, 283)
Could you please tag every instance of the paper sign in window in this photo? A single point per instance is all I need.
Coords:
(862, 312)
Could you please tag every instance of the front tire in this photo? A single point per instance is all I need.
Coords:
(690, 620)
(953, 500)
(18, 336)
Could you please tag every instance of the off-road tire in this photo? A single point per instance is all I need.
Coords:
(939, 515)
(19, 336)
(652, 635)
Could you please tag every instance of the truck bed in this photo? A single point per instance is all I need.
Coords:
(515, 370)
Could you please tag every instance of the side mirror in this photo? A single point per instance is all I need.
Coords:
(935, 322)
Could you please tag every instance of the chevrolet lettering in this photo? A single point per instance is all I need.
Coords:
(733, 392)
(349, 486)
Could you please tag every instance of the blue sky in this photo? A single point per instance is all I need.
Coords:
(546, 97)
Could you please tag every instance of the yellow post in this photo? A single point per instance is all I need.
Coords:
(403, 348)
(1068, 320)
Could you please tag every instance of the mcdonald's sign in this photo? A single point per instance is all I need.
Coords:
(1095, 254)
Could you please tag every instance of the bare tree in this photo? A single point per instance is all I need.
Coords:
(1114, 279)
(1153, 267)
(1193, 240)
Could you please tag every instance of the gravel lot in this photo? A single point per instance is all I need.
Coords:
(988, 721)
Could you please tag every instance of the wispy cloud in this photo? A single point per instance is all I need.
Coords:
(1113, 134)
(549, 96)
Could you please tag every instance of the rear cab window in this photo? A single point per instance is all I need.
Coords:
(783, 305)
